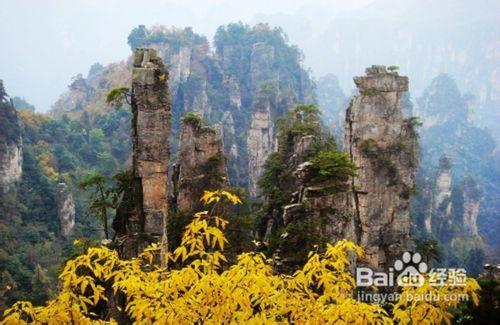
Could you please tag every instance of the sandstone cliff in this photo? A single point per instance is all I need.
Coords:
(10, 144)
(306, 188)
(222, 86)
(441, 207)
(383, 144)
(146, 216)
(453, 210)
(201, 163)
(472, 197)
(327, 214)
(260, 143)
(65, 209)
(456, 199)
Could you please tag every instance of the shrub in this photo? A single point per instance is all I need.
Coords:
(411, 125)
(393, 68)
(193, 119)
(197, 288)
(332, 166)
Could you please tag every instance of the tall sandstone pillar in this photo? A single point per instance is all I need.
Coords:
(201, 165)
(383, 144)
(146, 216)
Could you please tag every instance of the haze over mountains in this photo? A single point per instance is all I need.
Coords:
(424, 38)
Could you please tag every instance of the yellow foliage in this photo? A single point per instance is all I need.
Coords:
(199, 286)
(432, 311)
(47, 161)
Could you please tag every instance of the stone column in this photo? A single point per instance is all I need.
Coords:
(146, 219)
(201, 165)
(382, 142)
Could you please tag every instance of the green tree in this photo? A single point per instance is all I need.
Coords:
(332, 166)
(474, 262)
(40, 284)
(429, 249)
(100, 198)
(116, 96)
(302, 120)
(393, 68)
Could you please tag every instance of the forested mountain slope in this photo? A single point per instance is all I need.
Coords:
(250, 77)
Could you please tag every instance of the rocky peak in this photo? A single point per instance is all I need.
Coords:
(442, 102)
(316, 213)
(306, 187)
(201, 163)
(383, 144)
(262, 86)
(147, 213)
(261, 64)
(222, 85)
(378, 79)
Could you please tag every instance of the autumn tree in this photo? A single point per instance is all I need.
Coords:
(198, 286)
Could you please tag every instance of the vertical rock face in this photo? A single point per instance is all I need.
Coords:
(454, 208)
(229, 132)
(10, 165)
(220, 85)
(443, 183)
(306, 185)
(442, 195)
(147, 216)
(10, 144)
(266, 80)
(472, 196)
(330, 213)
(471, 211)
(384, 146)
(261, 61)
(448, 129)
(201, 165)
(65, 209)
(260, 144)
(180, 64)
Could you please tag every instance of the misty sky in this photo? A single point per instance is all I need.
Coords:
(45, 43)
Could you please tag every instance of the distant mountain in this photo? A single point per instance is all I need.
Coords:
(425, 38)
(250, 69)
(458, 194)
